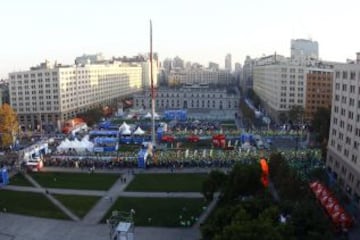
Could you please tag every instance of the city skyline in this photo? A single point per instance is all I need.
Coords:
(200, 31)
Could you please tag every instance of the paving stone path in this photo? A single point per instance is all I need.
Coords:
(13, 226)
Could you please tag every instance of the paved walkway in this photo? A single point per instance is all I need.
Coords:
(89, 228)
(56, 202)
(104, 204)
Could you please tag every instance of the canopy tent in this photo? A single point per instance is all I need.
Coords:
(124, 126)
(126, 131)
(147, 115)
(167, 138)
(77, 145)
(193, 138)
(139, 131)
(219, 140)
(337, 213)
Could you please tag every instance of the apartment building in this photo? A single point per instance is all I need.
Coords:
(344, 135)
(318, 90)
(53, 93)
(199, 76)
(279, 84)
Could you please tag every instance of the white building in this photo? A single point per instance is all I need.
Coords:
(89, 58)
(344, 135)
(247, 74)
(279, 83)
(199, 76)
(303, 49)
(51, 94)
(189, 97)
(228, 66)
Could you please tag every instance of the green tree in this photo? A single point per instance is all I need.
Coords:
(9, 125)
(282, 117)
(321, 123)
(296, 114)
(91, 116)
(215, 181)
(244, 180)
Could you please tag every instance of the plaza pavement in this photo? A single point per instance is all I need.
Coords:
(18, 227)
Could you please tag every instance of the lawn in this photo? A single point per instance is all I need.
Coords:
(79, 205)
(161, 212)
(28, 203)
(19, 180)
(85, 181)
(175, 182)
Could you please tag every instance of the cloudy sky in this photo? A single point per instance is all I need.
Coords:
(196, 30)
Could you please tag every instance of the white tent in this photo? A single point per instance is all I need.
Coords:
(124, 126)
(126, 131)
(148, 115)
(139, 131)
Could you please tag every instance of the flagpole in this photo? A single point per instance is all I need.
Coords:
(153, 140)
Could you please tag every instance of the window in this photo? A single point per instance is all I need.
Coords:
(344, 75)
(352, 75)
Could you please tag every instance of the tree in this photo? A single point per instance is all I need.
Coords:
(215, 181)
(321, 123)
(282, 117)
(296, 114)
(9, 125)
(244, 180)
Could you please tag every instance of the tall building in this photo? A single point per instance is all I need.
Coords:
(178, 63)
(318, 90)
(303, 49)
(199, 76)
(213, 66)
(238, 73)
(237, 67)
(228, 63)
(52, 93)
(344, 135)
(89, 58)
(247, 74)
(279, 84)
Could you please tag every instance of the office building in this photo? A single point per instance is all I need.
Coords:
(318, 90)
(344, 136)
(228, 66)
(52, 93)
(303, 49)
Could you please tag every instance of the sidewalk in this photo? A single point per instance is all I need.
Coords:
(104, 204)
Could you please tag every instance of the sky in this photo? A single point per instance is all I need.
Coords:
(195, 30)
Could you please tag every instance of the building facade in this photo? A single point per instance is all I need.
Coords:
(228, 64)
(246, 81)
(199, 76)
(302, 49)
(279, 84)
(51, 94)
(318, 91)
(195, 97)
(344, 135)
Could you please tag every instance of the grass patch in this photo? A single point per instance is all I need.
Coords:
(187, 182)
(161, 212)
(129, 147)
(19, 180)
(79, 205)
(28, 203)
(86, 181)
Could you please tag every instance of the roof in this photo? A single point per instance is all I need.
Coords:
(123, 227)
